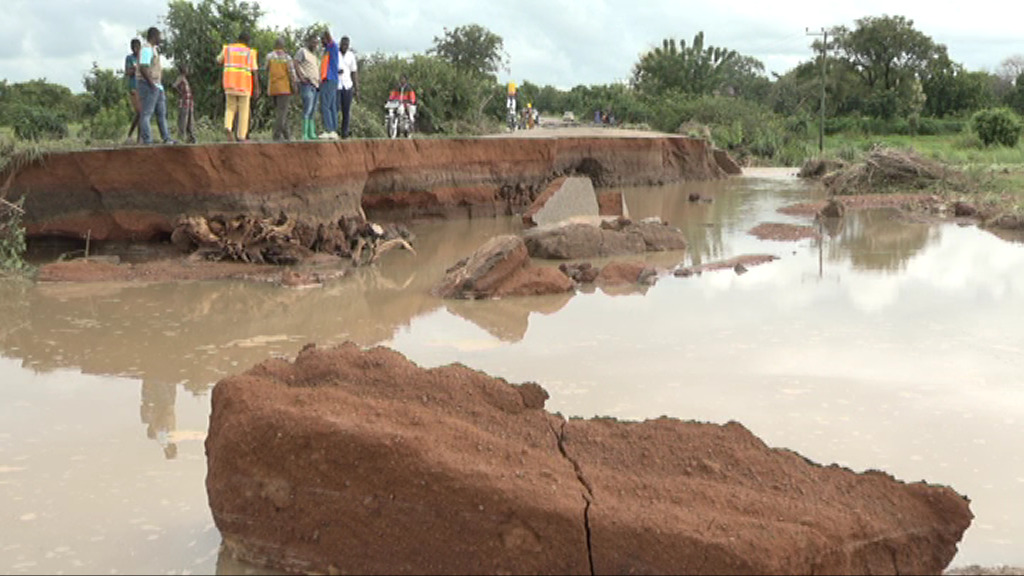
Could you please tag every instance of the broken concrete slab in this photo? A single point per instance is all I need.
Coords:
(564, 200)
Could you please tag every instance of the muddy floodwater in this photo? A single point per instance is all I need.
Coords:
(888, 345)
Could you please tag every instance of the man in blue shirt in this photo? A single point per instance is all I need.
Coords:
(329, 87)
(151, 89)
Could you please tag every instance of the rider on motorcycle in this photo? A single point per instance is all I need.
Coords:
(510, 102)
(405, 95)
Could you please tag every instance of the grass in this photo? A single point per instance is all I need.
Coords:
(958, 150)
(993, 175)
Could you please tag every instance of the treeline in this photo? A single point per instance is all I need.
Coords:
(882, 76)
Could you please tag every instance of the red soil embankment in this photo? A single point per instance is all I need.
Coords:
(137, 194)
(358, 461)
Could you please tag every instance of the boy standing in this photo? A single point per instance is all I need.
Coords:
(131, 66)
(186, 107)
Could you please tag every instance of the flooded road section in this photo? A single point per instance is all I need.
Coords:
(888, 345)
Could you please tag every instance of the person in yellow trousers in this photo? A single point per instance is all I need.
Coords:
(241, 84)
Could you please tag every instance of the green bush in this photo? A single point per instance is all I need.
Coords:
(12, 237)
(939, 126)
(109, 123)
(34, 123)
(997, 126)
(367, 123)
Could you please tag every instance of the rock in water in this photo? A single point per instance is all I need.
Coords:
(501, 267)
(582, 241)
(726, 162)
(834, 209)
(358, 461)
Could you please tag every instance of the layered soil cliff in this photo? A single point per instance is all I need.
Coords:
(139, 193)
(353, 461)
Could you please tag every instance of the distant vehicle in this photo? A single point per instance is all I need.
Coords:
(569, 117)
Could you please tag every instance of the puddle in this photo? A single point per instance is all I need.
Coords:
(885, 345)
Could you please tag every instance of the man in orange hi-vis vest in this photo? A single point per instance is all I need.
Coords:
(241, 83)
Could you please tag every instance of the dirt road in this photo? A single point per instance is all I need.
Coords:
(556, 129)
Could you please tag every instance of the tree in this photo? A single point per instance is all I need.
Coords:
(105, 90)
(745, 77)
(450, 101)
(1011, 68)
(55, 99)
(1015, 98)
(471, 48)
(888, 55)
(885, 50)
(951, 89)
(195, 33)
(694, 69)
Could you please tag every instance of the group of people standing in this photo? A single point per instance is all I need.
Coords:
(333, 79)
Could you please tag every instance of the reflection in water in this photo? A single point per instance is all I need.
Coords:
(909, 361)
(737, 206)
(880, 240)
(507, 319)
(157, 413)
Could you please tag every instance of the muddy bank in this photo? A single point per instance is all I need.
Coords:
(986, 571)
(783, 232)
(137, 194)
(907, 202)
(359, 461)
(739, 264)
(320, 269)
(996, 215)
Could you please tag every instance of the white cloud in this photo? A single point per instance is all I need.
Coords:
(561, 42)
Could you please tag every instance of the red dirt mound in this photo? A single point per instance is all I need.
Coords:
(353, 461)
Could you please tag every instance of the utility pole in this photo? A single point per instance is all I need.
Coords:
(824, 51)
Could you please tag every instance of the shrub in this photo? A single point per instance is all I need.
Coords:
(365, 123)
(12, 237)
(108, 123)
(997, 126)
(35, 123)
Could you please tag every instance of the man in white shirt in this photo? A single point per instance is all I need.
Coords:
(348, 83)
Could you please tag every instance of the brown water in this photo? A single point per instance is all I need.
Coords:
(889, 346)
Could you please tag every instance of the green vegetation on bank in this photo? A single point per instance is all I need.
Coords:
(885, 80)
(13, 157)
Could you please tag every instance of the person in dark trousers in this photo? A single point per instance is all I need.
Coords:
(307, 69)
(329, 87)
(348, 83)
(281, 84)
(151, 89)
(186, 106)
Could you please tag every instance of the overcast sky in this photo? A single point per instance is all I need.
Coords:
(560, 42)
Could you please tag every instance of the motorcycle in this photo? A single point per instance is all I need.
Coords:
(398, 121)
(512, 119)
